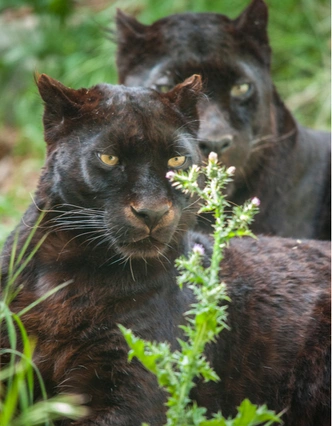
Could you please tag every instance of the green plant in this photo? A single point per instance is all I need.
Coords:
(175, 371)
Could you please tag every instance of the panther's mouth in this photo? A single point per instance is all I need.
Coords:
(146, 247)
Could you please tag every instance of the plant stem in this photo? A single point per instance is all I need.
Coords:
(187, 379)
(217, 253)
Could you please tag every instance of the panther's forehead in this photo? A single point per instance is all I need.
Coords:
(191, 23)
(117, 100)
(152, 127)
(144, 111)
(199, 32)
(197, 38)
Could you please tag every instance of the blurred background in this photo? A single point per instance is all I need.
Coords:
(69, 40)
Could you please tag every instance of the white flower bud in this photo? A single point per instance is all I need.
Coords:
(213, 157)
(230, 170)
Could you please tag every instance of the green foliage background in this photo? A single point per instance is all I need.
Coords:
(68, 40)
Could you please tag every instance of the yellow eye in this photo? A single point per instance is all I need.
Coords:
(240, 89)
(164, 88)
(109, 160)
(176, 162)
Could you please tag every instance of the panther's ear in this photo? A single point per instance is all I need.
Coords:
(60, 104)
(128, 29)
(59, 100)
(130, 37)
(253, 21)
(186, 95)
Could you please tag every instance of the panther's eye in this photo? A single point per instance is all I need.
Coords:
(177, 162)
(164, 88)
(109, 160)
(240, 89)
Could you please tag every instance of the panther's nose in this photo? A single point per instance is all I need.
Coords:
(219, 147)
(150, 216)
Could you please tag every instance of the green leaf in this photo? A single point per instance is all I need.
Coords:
(250, 415)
